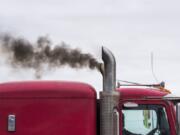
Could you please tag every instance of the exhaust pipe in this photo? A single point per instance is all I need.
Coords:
(109, 75)
(109, 97)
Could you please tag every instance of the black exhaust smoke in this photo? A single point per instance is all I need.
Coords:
(24, 54)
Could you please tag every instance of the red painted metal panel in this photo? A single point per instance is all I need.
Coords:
(48, 108)
(139, 93)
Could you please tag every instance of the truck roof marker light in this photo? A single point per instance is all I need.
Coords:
(130, 104)
(164, 90)
(161, 87)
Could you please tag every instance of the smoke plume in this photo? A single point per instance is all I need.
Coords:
(25, 54)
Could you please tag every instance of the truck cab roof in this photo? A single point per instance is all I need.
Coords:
(71, 89)
(141, 93)
(46, 89)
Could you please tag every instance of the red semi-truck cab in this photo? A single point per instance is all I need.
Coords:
(147, 111)
(66, 108)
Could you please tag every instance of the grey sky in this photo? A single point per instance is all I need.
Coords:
(132, 29)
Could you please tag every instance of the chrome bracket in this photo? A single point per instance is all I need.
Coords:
(11, 123)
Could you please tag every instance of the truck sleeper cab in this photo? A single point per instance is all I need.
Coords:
(70, 108)
(47, 108)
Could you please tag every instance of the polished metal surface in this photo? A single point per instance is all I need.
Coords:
(109, 98)
(11, 123)
(109, 75)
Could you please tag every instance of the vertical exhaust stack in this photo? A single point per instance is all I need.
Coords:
(109, 97)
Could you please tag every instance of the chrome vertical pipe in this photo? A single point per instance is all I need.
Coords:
(109, 97)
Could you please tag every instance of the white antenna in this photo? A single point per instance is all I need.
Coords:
(152, 67)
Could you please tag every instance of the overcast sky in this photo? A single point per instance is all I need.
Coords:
(131, 29)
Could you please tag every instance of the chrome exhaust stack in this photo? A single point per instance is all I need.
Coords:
(109, 116)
